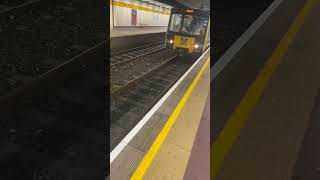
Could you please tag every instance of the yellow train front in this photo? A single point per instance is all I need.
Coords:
(188, 31)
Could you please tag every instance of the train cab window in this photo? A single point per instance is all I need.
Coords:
(194, 25)
(175, 22)
(186, 28)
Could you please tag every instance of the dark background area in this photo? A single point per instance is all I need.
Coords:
(229, 20)
(59, 132)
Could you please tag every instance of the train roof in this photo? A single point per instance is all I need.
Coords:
(198, 12)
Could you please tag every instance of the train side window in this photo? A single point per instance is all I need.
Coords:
(202, 26)
(175, 22)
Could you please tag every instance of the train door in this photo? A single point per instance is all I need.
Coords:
(134, 17)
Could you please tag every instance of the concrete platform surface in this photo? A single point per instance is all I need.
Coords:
(198, 167)
(174, 154)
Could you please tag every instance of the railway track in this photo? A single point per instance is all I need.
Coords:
(57, 121)
(128, 43)
(126, 73)
(129, 105)
(127, 55)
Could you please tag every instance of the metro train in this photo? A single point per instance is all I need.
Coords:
(188, 31)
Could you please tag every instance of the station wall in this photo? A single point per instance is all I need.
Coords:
(131, 13)
(111, 15)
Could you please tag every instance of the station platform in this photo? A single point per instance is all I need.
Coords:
(130, 31)
(265, 120)
(123, 43)
(172, 140)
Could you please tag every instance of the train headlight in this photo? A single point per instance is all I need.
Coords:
(171, 41)
(196, 46)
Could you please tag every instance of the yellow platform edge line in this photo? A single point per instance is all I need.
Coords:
(237, 120)
(132, 6)
(147, 160)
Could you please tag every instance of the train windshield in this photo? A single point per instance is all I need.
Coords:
(175, 22)
(194, 25)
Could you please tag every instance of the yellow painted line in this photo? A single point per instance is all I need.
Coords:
(237, 120)
(146, 161)
(122, 4)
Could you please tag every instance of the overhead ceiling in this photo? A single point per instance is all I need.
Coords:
(157, 3)
(194, 4)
